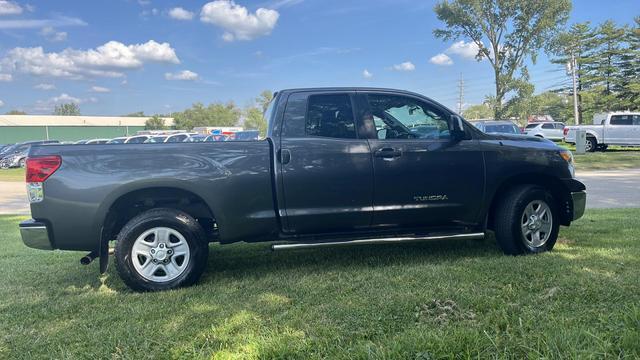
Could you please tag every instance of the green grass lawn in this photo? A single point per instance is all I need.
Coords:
(418, 301)
(615, 158)
(16, 174)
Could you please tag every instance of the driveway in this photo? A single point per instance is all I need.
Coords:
(611, 188)
(13, 198)
(606, 189)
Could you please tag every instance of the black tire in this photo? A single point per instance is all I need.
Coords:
(591, 144)
(177, 220)
(603, 148)
(510, 214)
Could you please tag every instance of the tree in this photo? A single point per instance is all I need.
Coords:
(154, 123)
(515, 30)
(576, 43)
(16, 112)
(68, 109)
(216, 114)
(264, 99)
(254, 120)
(629, 66)
(477, 112)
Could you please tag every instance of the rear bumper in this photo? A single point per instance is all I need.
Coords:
(579, 199)
(35, 235)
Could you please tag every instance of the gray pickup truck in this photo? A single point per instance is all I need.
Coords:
(338, 166)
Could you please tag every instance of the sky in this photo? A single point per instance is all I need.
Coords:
(114, 57)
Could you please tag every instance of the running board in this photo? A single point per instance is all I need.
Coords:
(474, 236)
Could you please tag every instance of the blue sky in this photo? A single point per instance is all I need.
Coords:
(120, 56)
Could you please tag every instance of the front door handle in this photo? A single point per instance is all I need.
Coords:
(387, 153)
(284, 156)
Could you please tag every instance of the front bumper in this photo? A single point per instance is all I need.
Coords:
(35, 235)
(579, 199)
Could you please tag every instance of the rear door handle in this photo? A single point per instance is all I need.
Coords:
(387, 153)
(284, 156)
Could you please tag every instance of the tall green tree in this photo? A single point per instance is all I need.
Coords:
(578, 42)
(264, 99)
(629, 66)
(216, 114)
(154, 123)
(477, 112)
(506, 32)
(68, 109)
(254, 120)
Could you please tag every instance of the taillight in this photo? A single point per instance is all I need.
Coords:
(40, 168)
(565, 131)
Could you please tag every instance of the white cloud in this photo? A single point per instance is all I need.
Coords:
(1, 103)
(237, 21)
(182, 75)
(50, 34)
(466, 50)
(9, 8)
(59, 21)
(108, 60)
(100, 89)
(366, 74)
(179, 13)
(405, 66)
(45, 87)
(6, 77)
(441, 59)
(64, 98)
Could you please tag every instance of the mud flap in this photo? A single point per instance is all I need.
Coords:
(103, 252)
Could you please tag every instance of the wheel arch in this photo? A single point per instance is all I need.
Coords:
(555, 186)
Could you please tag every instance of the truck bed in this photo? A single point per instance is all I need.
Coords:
(234, 176)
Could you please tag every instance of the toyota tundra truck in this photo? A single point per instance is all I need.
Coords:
(339, 166)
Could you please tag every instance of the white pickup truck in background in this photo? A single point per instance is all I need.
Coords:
(614, 128)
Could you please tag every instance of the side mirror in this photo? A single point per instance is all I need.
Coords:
(457, 128)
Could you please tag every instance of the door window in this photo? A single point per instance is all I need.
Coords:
(400, 117)
(547, 126)
(330, 116)
(621, 120)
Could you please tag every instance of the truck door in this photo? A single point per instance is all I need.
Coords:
(326, 167)
(622, 129)
(423, 177)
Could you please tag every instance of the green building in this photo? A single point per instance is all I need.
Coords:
(19, 128)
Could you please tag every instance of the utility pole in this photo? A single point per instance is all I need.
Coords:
(460, 94)
(574, 65)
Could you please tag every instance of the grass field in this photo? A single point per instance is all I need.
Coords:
(16, 174)
(416, 301)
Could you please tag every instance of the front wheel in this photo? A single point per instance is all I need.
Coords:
(527, 221)
(161, 249)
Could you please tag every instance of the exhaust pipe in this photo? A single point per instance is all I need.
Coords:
(88, 259)
(473, 236)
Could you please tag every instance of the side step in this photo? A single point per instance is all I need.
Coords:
(473, 236)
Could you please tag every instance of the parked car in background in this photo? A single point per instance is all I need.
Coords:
(497, 127)
(80, 142)
(138, 139)
(546, 130)
(156, 139)
(245, 135)
(196, 138)
(16, 155)
(97, 141)
(118, 140)
(615, 128)
(176, 138)
(4, 147)
(216, 138)
(339, 166)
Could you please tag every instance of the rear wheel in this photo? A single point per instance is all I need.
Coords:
(527, 221)
(591, 145)
(161, 249)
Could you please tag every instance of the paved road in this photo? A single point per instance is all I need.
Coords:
(612, 188)
(13, 198)
(607, 189)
